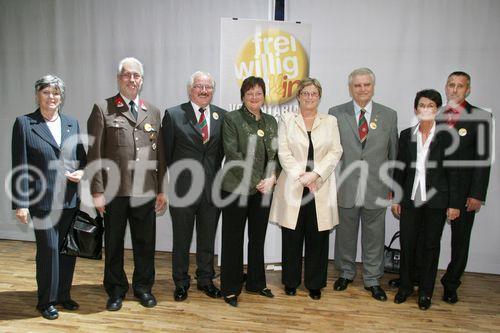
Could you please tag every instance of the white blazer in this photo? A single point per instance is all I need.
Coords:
(292, 152)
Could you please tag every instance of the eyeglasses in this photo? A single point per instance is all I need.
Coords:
(207, 87)
(256, 94)
(313, 94)
(128, 76)
(48, 93)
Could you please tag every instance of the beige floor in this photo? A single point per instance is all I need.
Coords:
(349, 311)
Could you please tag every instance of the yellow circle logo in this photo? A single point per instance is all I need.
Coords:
(277, 57)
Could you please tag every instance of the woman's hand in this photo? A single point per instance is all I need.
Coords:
(266, 185)
(452, 213)
(396, 210)
(22, 215)
(74, 176)
(308, 178)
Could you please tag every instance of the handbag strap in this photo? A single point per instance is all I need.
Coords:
(394, 237)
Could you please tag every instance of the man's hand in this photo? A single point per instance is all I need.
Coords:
(22, 215)
(99, 202)
(473, 204)
(452, 213)
(161, 202)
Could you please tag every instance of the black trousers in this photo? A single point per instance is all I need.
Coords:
(461, 230)
(234, 217)
(183, 219)
(430, 223)
(54, 271)
(140, 212)
(316, 250)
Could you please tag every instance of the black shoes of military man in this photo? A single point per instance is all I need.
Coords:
(378, 293)
(210, 290)
(341, 284)
(181, 293)
(450, 296)
(424, 302)
(49, 312)
(114, 303)
(147, 300)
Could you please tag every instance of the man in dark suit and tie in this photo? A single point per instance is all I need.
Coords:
(369, 136)
(193, 148)
(473, 155)
(127, 163)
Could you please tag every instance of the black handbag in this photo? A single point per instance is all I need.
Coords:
(392, 256)
(84, 238)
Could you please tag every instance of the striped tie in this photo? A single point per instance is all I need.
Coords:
(202, 124)
(362, 127)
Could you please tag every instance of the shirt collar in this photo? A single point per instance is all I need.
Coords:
(417, 129)
(127, 101)
(197, 108)
(367, 108)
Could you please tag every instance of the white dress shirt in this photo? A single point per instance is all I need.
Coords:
(420, 167)
(367, 108)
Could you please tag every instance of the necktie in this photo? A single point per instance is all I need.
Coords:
(133, 109)
(202, 124)
(452, 116)
(362, 127)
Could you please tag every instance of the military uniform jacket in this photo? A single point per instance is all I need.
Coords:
(125, 155)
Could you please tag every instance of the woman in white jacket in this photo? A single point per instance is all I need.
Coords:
(305, 198)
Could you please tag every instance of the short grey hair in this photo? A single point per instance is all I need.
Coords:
(361, 71)
(130, 59)
(195, 75)
(53, 81)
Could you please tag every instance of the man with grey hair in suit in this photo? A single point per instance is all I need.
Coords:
(369, 136)
(192, 137)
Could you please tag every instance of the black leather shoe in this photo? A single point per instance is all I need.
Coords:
(290, 291)
(395, 283)
(401, 297)
(315, 294)
(180, 293)
(210, 290)
(424, 302)
(70, 305)
(231, 300)
(49, 312)
(378, 293)
(266, 292)
(147, 300)
(450, 296)
(341, 284)
(114, 303)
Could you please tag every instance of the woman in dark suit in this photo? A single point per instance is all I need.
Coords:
(248, 135)
(429, 196)
(47, 163)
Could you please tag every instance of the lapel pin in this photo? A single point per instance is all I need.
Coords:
(462, 132)
(260, 133)
(215, 115)
(373, 125)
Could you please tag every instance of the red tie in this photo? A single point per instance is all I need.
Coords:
(362, 127)
(202, 123)
(452, 116)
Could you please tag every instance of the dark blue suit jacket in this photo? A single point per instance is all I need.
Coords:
(39, 164)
